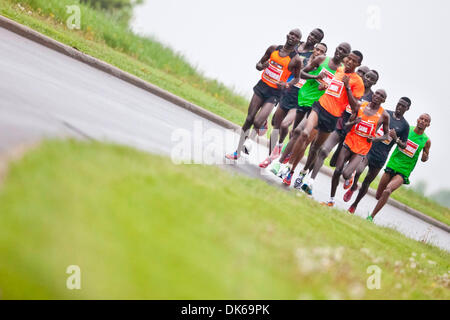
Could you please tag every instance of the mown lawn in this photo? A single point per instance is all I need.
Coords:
(139, 226)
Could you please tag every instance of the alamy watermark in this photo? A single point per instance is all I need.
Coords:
(373, 21)
(74, 20)
(374, 280)
(74, 280)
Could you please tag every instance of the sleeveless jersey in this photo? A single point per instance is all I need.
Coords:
(356, 139)
(404, 160)
(309, 92)
(335, 98)
(277, 71)
(380, 150)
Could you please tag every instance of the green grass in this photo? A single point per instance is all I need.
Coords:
(104, 37)
(139, 226)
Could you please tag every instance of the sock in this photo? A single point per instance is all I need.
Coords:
(303, 172)
(332, 199)
(244, 136)
(310, 182)
(274, 138)
(289, 165)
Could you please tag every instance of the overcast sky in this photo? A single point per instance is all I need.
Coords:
(405, 41)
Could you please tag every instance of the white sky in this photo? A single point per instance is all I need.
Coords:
(405, 41)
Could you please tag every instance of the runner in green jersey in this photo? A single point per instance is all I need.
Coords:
(403, 161)
(316, 72)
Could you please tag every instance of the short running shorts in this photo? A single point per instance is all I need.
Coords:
(289, 99)
(393, 173)
(374, 162)
(267, 93)
(327, 122)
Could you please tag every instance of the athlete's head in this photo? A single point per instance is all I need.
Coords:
(402, 106)
(362, 71)
(353, 61)
(342, 51)
(370, 78)
(379, 96)
(320, 49)
(315, 36)
(293, 37)
(424, 121)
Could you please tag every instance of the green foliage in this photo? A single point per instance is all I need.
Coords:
(121, 10)
(420, 187)
(442, 197)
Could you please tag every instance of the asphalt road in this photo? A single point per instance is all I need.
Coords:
(47, 94)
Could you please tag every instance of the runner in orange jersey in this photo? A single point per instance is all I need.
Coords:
(346, 88)
(360, 138)
(277, 64)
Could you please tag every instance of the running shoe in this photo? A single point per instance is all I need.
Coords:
(287, 158)
(287, 180)
(265, 163)
(232, 156)
(284, 147)
(307, 189)
(348, 195)
(276, 152)
(369, 218)
(275, 168)
(348, 183)
(328, 203)
(299, 181)
(284, 171)
(351, 209)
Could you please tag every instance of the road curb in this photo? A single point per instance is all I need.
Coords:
(125, 76)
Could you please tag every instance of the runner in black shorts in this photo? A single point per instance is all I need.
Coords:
(267, 94)
(326, 121)
(285, 113)
(370, 78)
(378, 154)
(319, 71)
(277, 64)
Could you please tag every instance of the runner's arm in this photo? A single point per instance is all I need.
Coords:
(385, 124)
(312, 65)
(401, 144)
(352, 101)
(296, 72)
(403, 139)
(426, 151)
(351, 122)
(264, 62)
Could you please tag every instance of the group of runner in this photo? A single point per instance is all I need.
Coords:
(330, 102)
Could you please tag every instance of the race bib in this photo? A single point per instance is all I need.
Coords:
(380, 133)
(273, 72)
(348, 109)
(364, 128)
(300, 83)
(328, 78)
(335, 88)
(411, 148)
